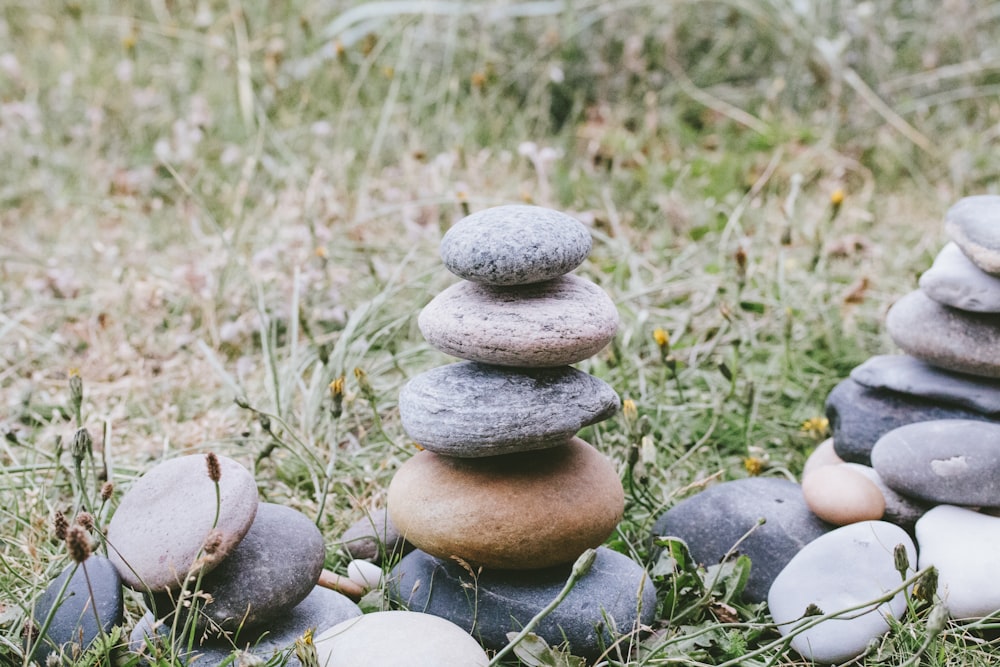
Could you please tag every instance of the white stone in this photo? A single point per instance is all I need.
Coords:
(364, 574)
(398, 639)
(842, 569)
(963, 545)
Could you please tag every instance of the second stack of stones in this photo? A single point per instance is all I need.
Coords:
(504, 497)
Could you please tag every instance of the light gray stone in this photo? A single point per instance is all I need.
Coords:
(553, 323)
(952, 461)
(973, 223)
(270, 571)
(953, 280)
(909, 375)
(846, 567)
(162, 522)
(946, 337)
(963, 545)
(321, 610)
(387, 638)
(374, 537)
(470, 409)
(515, 245)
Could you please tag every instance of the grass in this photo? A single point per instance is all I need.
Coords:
(211, 200)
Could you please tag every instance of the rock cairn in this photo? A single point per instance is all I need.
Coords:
(913, 454)
(504, 497)
(191, 534)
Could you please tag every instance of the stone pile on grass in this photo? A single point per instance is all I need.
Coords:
(504, 498)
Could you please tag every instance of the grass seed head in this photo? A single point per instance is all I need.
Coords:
(214, 469)
(59, 525)
(78, 543)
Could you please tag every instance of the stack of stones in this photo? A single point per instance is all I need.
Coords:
(192, 534)
(504, 497)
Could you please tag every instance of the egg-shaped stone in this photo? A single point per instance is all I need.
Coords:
(840, 495)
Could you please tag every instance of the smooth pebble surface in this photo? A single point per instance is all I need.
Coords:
(398, 639)
(950, 461)
(613, 597)
(839, 495)
(909, 375)
(321, 610)
(552, 323)
(823, 455)
(953, 280)
(472, 409)
(727, 517)
(163, 519)
(518, 511)
(74, 619)
(844, 568)
(860, 415)
(374, 537)
(515, 245)
(270, 571)
(899, 509)
(963, 545)
(973, 223)
(946, 337)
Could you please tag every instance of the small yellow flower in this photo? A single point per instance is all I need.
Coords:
(478, 79)
(419, 447)
(661, 337)
(837, 197)
(753, 465)
(816, 426)
(629, 410)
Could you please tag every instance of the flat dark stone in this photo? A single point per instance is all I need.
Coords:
(375, 538)
(950, 461)
(500, 601)
(859, 416)
(74, 617)
(712, 522)
(270, 571)
(320, 610)
(909, 375)
(974, 224)
(470, 409)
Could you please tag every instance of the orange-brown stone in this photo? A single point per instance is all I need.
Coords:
(518, 511)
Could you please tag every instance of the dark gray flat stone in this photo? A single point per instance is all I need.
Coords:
(973, 223)
(374, 537)
(74, 617)
(162, 521)
(515, 245)
(470, 409)
(951, 461)
(321, 609)
(953, 339)
(859, 416)
(497, 601)
(270, 571)
(909, 375)
(953, 280)
(712, 522)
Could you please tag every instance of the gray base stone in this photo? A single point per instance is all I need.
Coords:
(615, 592)
(725, 518)
(859, 416)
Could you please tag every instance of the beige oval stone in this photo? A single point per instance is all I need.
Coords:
(839, 495)
(552, 323)
(823, 455)
(519, 511)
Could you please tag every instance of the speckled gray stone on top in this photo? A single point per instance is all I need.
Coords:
(860, 415)
(515, 245)
(974, 224)
(270, 571)
(725, 519)
(909, 375)
(949, 461)
(553, 323)
(614, 596)
(321, 609)
(946, 337)
(74, 619)
(472, 409)
(163, 519)
(955, 281)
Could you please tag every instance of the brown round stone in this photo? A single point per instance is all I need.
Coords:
(519, 511)
(839, 495)
(823, 455)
